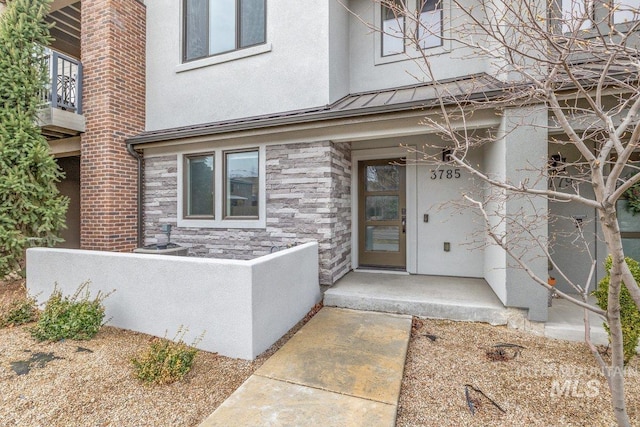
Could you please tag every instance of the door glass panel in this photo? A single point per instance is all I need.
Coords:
(383, 178)
(384, 239)
(381, 208)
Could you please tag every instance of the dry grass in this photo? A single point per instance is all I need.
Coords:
(97, 387)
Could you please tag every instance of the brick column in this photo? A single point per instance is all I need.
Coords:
(113, 56)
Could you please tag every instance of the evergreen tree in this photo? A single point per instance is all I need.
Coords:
(32, 212)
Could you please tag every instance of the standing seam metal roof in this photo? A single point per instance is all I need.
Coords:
(473, 87)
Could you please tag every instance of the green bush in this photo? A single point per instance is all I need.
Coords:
(165, 361)
(76, 317)
(19, 312)
(633, 198)
(629, 314)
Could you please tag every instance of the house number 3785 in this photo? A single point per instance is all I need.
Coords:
(445, 173)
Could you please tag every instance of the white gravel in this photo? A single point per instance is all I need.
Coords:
(97, 388)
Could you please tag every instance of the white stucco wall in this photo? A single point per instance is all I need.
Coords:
(519, 156)
(315, 53)
(290, 72)
(244, 306)
(370, 71)
(338, 50)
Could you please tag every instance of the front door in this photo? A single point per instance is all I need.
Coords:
(382, 214)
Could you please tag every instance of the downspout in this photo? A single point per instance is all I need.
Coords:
(139, 158)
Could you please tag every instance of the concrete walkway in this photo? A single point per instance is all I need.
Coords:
(342, 368)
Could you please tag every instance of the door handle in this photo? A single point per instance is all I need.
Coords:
(404, 220)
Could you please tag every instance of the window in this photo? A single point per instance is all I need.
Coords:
(199, 186)
(430, 24)
(241, 184)
(576, 15)
(392, 29)
(212, 27)
(222, 188)
(625, 11)
(425, 26)
(582, 15)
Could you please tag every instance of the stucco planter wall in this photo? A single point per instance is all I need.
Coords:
(244, 306)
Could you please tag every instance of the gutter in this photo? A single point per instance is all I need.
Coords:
(139, 158)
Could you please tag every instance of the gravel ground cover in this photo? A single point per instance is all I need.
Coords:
(543, 382)
(532, 380)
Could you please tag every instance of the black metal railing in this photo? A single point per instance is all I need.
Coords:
(65, 88)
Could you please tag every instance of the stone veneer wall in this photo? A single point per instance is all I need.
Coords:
(308, 191)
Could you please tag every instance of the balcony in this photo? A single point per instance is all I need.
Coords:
(61, 115)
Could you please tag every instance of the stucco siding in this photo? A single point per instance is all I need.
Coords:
(289, 72)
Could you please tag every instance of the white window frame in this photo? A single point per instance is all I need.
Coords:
(218, 221)
(412, 51)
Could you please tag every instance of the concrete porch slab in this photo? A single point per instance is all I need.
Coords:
(566, 322)
(440, 297)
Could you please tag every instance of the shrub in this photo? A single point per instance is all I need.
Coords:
(633, 199)
(21, 311)
(165, 361)
(76, 317)
(629, 314)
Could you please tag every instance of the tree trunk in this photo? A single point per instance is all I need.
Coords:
(613, 240)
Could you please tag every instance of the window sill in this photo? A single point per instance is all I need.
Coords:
(225, 57)
(410, 54)
(222, 224)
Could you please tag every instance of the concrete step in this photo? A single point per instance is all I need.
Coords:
(453, 298)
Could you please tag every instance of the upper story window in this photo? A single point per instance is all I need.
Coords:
(576, 15)
(583, 15)
(426, 29)
(212, 27)
(430, 24)
(625, 11)
(392, 29)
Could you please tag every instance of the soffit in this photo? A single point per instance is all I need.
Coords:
(65, 18)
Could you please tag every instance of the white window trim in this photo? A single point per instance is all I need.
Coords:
(411, 51)
(218, 221)
(233, 55)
